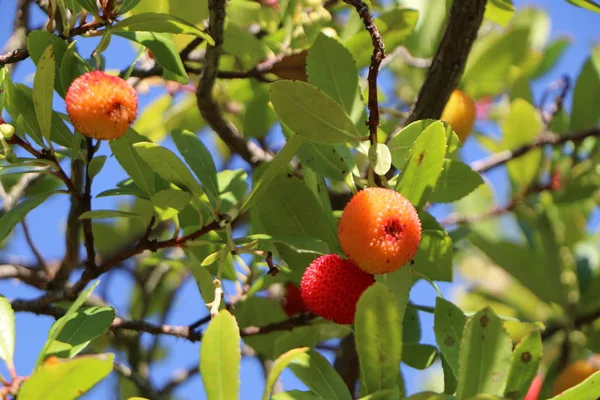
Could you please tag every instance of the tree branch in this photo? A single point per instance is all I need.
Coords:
(580, 321)
(32, 276)
(21, 54)
(495, 160)
(449, 61)
(88, 234)
(210, 110)
(142, 383)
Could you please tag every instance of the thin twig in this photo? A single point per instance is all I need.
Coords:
(34, 249)
(376, 58)
(179, 377)
(498, 159)
(142, 383)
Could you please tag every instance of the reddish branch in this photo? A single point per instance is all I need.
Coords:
(376, 58)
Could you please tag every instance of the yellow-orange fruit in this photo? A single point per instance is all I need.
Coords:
(101, 106)
(379, 230)
(573, 375)
(460, 113)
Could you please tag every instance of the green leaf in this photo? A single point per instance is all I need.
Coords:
(395, 26)
(522, 125)
(318, 375)
(96, 166)
(456, 181)
(278, 366)
(311, 113)
(587, 4)
(16, 214)
(404, 140)
(380, 158)
(161, 23)
(168, 166)
(423, 165)
(588, 389)
(331, 161)
(586, 93)
(37, 43)
(485, 356)
(552, 54)
(526, 360)
(331, 68)
(500, 11)
(162, 47)
(487, 70)
(70, 67)
(43, 89)
(299, 244)
(100, 214)
(59, 325)
(378, 331)
(448, 325)
(274, 169)
(197, 156)
(434, 255)
(127, 5)
(295, 395)
(7, 332)
(220, 358)
(20, 99)
(132, 163)
(241, 43)
(67, 380)
(291, 209)
(80, 329)
(511, 257)
(89, 5)
(419, 356)
(169, 202)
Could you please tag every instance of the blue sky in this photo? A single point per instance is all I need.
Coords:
(47, 222)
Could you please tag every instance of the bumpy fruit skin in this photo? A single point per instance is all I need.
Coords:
(379, 230)
(572, 375)
(292, 302)
(331, 286)
(101, 106)
(460, 112)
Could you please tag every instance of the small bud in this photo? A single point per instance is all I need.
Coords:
(7, 130)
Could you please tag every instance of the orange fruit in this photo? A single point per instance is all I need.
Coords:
(573, 374)
(101, 106)
(460, 113)
(379, 230)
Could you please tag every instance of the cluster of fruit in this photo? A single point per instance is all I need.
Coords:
(379, 231)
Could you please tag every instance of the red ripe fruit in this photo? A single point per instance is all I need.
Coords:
(292, 302)
(101, 106)
(331, 287)
(379, 230)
